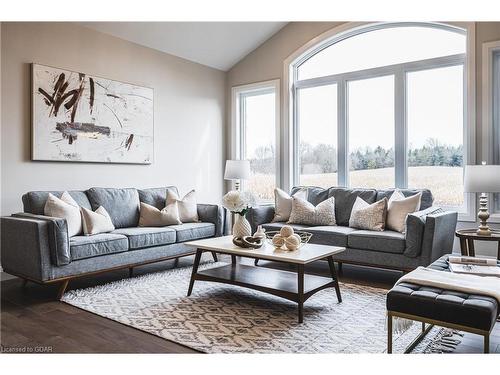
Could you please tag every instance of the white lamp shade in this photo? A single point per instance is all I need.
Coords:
(237, 170)
(482, 179)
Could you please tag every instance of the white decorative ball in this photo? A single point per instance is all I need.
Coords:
(278, 241)
(298, 237)
(292, 243)
(286, 231)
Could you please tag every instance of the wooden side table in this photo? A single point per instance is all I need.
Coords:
(468, 236)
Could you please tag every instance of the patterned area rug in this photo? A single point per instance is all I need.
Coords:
(221, 318)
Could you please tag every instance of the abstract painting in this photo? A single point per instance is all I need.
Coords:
(79, 117)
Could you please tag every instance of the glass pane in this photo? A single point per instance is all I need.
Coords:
(383, 47)
(496, 122)
(317, 119)
(260, 142)
(371, 132)
(435, 133)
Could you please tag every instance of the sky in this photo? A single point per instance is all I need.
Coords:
(434, 97)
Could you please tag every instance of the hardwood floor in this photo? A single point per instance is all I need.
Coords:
(32, 321)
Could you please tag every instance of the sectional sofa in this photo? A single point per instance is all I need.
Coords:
(429, 232)
(37, 247)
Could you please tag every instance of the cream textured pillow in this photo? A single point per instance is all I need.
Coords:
(283, 203)
(96, 222)
(150, 216)
(65, 208)
(368, 216)
(305, 213)
(398, 209)
(188, 209)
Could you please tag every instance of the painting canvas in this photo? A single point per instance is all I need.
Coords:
(79, 117)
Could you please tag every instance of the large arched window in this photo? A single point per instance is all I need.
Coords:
(382, 106)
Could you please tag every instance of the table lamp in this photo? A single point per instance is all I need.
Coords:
(237, 170)
(482, 179)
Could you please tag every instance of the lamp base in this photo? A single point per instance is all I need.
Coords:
(483, 215)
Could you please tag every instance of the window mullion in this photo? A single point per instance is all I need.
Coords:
(400, 133)
(342, 136)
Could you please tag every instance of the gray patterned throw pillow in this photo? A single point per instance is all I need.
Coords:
(306, 213)
(368, 216)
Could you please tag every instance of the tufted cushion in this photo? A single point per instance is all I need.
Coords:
(470, 310)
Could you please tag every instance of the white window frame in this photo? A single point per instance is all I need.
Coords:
(489, 50)
(237, 107)
(290, 163)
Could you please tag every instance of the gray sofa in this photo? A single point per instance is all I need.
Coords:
(37, 247)
(429, 233)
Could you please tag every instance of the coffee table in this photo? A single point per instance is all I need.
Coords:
(293, 286)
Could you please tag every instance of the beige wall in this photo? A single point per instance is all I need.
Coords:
(189, 101)
(266, 62)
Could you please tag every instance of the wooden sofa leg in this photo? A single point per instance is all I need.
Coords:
(62, 288)
(339, 265)
(487, 343)
(389, 333)
(25, 282)
(256, 262)
(130, 271)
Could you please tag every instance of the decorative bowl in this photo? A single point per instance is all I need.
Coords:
(304, 238)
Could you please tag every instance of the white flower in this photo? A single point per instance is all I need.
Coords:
(237, 201)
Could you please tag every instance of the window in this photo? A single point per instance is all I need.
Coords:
(383, 106)
(496, 120)
(256, 120)
(370, 114)
(435, 133)
(318, 138)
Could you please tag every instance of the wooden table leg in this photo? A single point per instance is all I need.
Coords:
(463, 247)
(470, 246)
(335, 278)
(498, 250)
(300, 291)
(233, 259)
(214, 255)
(195, 270)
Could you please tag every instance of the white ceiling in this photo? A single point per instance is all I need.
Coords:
(219, 45)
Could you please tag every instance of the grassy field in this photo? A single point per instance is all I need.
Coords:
(444, 182)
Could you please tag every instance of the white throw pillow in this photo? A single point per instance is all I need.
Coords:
(368, 216)
(283, 203)
(304, 212)
(96, 222)
(187, 206)
(150, 216)
(398, 209)
(65, 208)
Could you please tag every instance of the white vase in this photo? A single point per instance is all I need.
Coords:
(241, 227)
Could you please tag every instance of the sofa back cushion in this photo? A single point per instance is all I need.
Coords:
(345, 198)
(425, 202)
(155, 196)
(34, 201)
(122, 205)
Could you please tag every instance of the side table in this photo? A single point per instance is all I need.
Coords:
(468, 236)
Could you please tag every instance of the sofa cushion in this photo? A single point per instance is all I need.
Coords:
(140, 237)
(34, 201)
(121, 204)
(193, 231)
(344, 200)
(425, 202)
(330, 235)
(156, 197)
(82, 247)
(386, 241)
(315, 195)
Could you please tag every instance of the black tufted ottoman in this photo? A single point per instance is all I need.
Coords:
(465, 312)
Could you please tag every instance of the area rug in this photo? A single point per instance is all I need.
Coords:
(219, 318)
